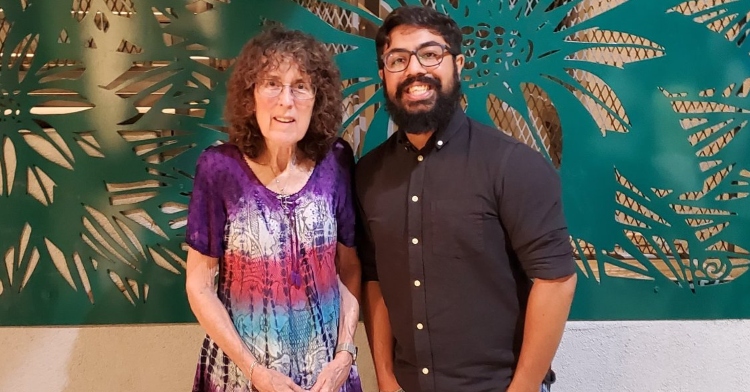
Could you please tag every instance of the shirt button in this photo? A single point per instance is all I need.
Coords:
(440, 143)
(414, 241)
(425, 371)
(420, 158)
(420, 326)
(415, 198)
(417, 283)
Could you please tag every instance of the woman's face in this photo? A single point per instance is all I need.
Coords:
(283, 119)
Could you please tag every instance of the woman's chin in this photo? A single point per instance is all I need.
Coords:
(283, 136)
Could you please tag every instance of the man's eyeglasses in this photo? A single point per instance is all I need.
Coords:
(271, 88)
(429, 56)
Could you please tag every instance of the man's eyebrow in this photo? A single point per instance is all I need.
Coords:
(420, 46)
(430, 43)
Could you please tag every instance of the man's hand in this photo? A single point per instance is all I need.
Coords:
(334, 374)
(269, 380)
(516, 386)
(388, 384)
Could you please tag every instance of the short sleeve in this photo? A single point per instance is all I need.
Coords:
(206, 213)
(530, 205)
(345, 213)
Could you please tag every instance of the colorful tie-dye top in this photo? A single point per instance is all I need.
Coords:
(277, 275)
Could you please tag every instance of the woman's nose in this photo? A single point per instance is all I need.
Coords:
(285, 96)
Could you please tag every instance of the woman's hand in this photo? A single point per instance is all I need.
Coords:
(269, 380)
(334, 374)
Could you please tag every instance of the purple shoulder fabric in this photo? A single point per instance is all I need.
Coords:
(206, 212)
(345, 213)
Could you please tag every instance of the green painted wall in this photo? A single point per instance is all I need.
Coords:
(642, 105)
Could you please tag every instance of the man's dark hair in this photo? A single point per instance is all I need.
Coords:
(419, 16)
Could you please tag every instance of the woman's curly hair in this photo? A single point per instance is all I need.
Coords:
(264, 53)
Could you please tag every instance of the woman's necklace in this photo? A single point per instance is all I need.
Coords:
(276, 180)
(276, 176)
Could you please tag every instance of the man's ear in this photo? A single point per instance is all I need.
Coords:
(380, 73)
(460, 59)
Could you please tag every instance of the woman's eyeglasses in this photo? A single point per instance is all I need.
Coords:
(271, 88)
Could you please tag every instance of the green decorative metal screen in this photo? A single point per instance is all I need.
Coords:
(641, 104)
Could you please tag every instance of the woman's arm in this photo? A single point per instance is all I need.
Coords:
(350, 271)
(213, 317)
(348, 319)
(335, 374)
(350, 283)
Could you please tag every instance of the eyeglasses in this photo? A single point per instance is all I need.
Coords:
(428, 56)
(271, 88)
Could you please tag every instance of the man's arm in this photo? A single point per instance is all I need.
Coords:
(530, 205)
(379, 335)
(546, 314)
(374, 310)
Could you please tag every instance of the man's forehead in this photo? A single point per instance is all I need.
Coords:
(410, 37)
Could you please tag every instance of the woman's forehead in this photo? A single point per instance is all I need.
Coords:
(283, 66)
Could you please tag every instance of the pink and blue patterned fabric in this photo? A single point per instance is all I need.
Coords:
(277, 274)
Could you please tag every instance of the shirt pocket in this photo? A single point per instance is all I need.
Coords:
(457, 228)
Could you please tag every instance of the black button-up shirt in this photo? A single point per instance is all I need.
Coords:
(454, 233)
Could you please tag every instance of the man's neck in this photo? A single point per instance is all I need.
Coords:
(419, 140)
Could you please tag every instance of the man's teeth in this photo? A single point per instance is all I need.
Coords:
(417, 89)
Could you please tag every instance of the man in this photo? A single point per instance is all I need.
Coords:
(457, 221)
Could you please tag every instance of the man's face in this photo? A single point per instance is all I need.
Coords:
(419, 95)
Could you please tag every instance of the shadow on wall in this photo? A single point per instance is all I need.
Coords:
(114, 358)
(134, 358)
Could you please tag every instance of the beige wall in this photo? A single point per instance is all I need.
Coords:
(661, 356)
(113, 359)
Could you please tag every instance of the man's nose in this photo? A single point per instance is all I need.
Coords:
(415, 67)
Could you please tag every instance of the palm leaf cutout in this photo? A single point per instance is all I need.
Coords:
(651, 247)
(727, 18)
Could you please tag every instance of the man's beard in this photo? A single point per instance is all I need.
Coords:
(424, 121)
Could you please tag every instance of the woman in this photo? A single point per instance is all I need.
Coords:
(271, 215)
